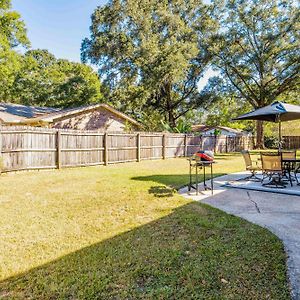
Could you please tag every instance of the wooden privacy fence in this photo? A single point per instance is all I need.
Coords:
(25, 148)
(291, 142)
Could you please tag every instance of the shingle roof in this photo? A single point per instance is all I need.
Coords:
(9, 118)
(17, 113)
(49, 118)
(11, 111)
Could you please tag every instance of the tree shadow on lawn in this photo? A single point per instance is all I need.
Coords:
(196, 252)
(173, 182)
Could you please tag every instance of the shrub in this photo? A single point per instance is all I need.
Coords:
(271, 142)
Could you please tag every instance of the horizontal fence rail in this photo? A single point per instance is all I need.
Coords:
(30, 148)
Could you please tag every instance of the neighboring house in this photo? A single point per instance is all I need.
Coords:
(210, 130)
(9, 119)
(92, 117)
(16, 114)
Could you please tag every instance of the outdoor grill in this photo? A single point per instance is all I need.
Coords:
(205, 155)
(200, 161)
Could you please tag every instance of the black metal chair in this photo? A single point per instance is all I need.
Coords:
(289, 167)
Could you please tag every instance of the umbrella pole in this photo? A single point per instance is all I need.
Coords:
(279, 133)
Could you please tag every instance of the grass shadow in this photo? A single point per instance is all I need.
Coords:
(196, 252)
(173, 181)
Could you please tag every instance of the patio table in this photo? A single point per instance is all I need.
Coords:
(202, 165)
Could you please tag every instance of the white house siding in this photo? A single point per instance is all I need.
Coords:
(223, 132)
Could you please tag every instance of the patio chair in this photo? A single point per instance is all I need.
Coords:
(272, 169)
(297, 171)
(289, 167)
(251, 166)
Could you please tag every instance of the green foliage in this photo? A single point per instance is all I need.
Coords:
(182, 126)
(271, 141)
(13, 30)
(152, 54)
(128, 127)
(217, 132)
(12, 34)
(258, 49)
(224, 110)
(46, 81)
(37, 77)
(151, 119)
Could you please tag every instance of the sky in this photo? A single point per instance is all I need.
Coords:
(57, 25)
(60, 26)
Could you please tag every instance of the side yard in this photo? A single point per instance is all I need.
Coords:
(122, 232)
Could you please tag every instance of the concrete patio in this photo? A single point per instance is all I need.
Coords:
(275, 209)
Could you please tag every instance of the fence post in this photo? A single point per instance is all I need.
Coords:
(105, 144)
(185, 145)
(226, 144)
(164, 137)
(58, 149)
(138, 147)
(234, 144)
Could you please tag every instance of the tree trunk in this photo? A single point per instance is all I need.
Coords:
(171, 118)
(260, 135)
(168, 95)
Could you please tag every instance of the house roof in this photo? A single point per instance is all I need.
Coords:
(204, 128)
(51, 117)
(18, 112)
(22, 114)
(9, 118)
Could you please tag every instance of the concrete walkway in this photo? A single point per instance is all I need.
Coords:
(280, 213)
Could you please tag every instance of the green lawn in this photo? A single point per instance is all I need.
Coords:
(122, 232)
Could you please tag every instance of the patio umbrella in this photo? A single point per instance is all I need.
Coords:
(275, 112)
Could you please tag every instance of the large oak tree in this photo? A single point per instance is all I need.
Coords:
(258, 50)
(151, 54)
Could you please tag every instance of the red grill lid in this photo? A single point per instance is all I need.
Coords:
(205, 155)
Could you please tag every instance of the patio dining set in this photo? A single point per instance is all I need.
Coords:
(281, 167)
(278, 169)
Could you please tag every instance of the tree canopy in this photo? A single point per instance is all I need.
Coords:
(151, 53)
(12, 35)
(37, 77)
(258, 50)
(46, 81)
